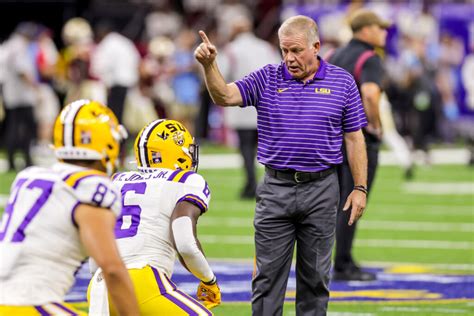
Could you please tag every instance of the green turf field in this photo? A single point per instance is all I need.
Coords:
(427, 223)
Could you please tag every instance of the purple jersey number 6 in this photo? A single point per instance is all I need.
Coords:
(132, 211)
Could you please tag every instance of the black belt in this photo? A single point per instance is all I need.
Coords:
(299, 176)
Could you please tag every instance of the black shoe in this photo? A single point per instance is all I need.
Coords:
(354, 274)
(409, 173)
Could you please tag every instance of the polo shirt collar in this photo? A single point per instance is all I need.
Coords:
(320, 73)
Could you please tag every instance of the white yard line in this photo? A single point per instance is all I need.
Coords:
(374, 264)
(3, 200)
(364, 224)
(348, 314)
(417, 226)
(397, 209)
(368, 243)
(439, 188)
(415, 244)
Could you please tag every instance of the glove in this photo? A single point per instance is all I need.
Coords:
(209, 294)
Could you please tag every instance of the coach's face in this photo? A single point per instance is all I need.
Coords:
(299, 56)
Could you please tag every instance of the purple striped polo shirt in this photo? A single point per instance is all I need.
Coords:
(301, 125)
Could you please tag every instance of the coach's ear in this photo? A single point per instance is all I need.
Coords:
(316, 46)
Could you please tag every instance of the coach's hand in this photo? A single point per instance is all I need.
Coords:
(356, 201)
(206, 52)
(209, 294)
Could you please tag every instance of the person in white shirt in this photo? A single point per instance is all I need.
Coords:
(115, 61)
(57, 216)
(242, 55)
(20, 92)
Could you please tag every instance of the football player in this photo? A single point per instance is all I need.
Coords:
(57, 216)
(162, 202)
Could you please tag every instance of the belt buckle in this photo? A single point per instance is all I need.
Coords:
(296, 177)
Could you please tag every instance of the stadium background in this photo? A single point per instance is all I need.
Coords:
(417, 235)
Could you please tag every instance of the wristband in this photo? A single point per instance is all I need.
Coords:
(212, 282)
(361, 188)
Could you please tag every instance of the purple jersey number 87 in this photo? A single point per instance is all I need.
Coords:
(129, 212)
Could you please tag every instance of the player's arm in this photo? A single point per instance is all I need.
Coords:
(357, 157)
(183, 226)
(96, 230)
(221, 93)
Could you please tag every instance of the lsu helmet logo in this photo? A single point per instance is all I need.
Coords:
(178, 138)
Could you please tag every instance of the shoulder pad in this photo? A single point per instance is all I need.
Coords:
(95, 188)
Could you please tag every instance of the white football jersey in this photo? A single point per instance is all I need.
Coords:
(40, 248)
(148, 200)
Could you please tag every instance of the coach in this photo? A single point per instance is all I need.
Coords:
(358, 57)
(306, 108)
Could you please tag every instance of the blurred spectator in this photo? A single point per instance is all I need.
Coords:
(48, 106)
(358, 57)
(20, 91)
(450, 58)
(2, 106)
(244, 54)
(73, 67)
(393, 140)
(115, 62)
(422, 96)
(157, 70)
(163, 21)
(467, 72)
(186, 81)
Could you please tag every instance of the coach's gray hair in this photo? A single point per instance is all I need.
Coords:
(300, 24)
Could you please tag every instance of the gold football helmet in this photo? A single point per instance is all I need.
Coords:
(166, 144)
(88, 130)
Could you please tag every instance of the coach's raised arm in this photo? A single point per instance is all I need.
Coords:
(221, 93)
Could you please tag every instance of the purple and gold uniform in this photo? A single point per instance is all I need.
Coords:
(144, 237)
(39, 240)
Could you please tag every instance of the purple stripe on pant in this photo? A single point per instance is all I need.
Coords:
(204, 309)
(42, 311)
(64, 308)
(170, 297)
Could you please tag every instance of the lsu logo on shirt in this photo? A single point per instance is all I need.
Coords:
(322, 90)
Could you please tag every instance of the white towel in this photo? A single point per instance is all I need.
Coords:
(99, 301)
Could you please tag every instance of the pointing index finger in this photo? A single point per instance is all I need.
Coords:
(204, 37)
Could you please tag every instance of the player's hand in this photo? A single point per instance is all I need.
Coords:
(206, 52)
(356, 201)
(209, 295)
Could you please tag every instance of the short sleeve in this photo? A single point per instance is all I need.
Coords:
(251, 87)
(373, 71)
(98, 191)
(195, 190)
(354, 116)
